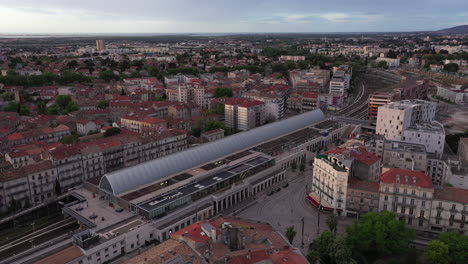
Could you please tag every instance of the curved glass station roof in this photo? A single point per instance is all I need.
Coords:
(133, 177)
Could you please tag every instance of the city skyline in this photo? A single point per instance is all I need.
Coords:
(183, 16)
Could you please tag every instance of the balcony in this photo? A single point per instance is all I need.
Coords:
(452, 210)
(440, 208)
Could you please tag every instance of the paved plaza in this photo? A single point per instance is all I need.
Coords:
(287, 208)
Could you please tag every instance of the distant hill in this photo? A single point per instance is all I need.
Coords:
(455, 30)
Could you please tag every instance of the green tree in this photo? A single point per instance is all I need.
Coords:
(329, 248)
(332, 223)
(8, 96)
(41, 107)
(378, 234)
(391, 54)
(63, 105)
(223, 92)
(69, 139)
(73, 64)
(135, 74)
(290, 233)
(382, 65)
(437, 253)
(451, 67)
(109, 76)
(103, 104)
(24, 110)
(458, 246)
(213, 124)
(63, 100)
(112, 131)
(12, 106)
(340, 251)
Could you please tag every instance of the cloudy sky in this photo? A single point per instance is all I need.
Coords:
(176, 16)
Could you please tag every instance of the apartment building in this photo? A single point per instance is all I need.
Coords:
(411, 121)
(309, 80)
(243, 114)
(274, 103)
(291, 58)
(364, 164)
(340, 82)
(412, 89)
(391, 62)
(143, 124)
(376, 100)
(330, 182)
(454, 95)
(28, 185)
(362, 196)
(409, 194)
(405, 156)
(47, 134)
(301, 102)
(187, 93)
(449, 210)
(73, 164)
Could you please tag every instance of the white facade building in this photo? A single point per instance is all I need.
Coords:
(411, 121)
(455, 95)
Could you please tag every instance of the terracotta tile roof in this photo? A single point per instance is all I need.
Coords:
(65, 151)
(251, 103)
(358, 184)
(357, 151)
(452, 194)
(167, 251)
(422, 180)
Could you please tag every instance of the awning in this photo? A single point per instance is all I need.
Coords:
(312, 200)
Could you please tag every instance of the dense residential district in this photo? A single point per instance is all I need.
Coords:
(234, 149)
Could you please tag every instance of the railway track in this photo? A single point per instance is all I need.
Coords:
(38, 237)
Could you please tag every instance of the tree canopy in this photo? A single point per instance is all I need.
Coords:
(437, 253)
(451, 67)
(223, 92)
(103, 104)
(112, 131)
(290, 233)
(63, 105)
(379, 234)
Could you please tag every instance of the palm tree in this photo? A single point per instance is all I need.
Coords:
(332, 223)
(290, 233)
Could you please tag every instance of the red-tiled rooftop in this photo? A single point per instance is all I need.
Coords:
(356, 183)
(422, 180)
(452, 194)
(252, 103)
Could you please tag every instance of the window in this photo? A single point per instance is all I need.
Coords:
(411, 211)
